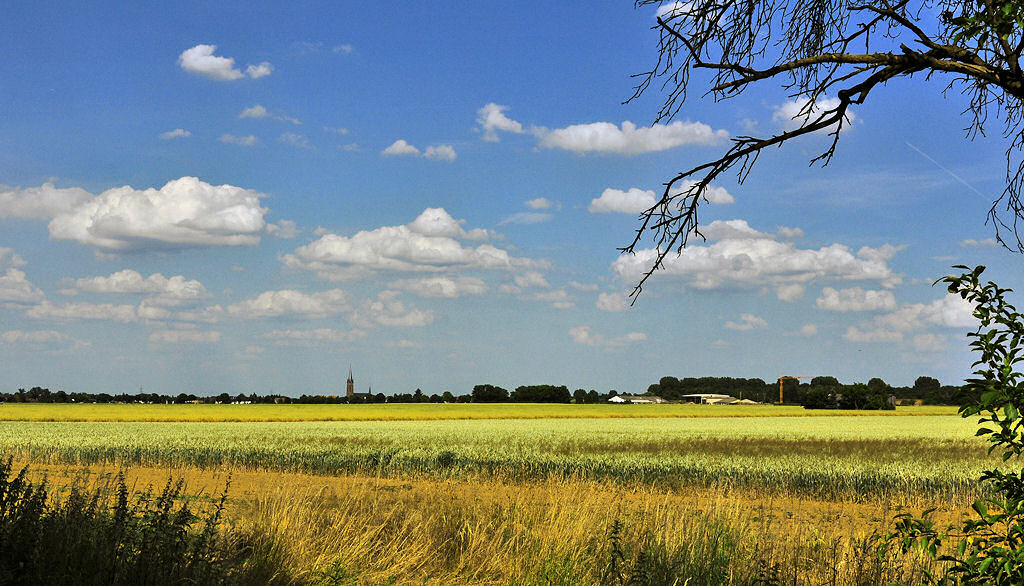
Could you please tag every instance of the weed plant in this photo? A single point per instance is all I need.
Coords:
(148, 538)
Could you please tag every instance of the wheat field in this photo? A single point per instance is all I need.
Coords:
(718, 495)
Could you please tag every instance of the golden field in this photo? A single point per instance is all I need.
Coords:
(504, 494)
(369, 530)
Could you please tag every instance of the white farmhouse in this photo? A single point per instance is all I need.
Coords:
(636, 399)
(709, 399)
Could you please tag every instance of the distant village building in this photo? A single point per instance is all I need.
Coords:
(636, 399)
(350, 389)
(709, 399)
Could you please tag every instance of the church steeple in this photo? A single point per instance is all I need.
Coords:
(350, 384)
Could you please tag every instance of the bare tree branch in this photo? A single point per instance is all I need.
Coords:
(804, 45)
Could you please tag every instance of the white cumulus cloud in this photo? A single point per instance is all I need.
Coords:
(929, 342)
(313, 337)
(256, 111)
(605, 137)
(602, 137)
(790, 292)
(531, 279)
(526, 218)
(856, 299)
(43, 202)
(636, 200)
(446, 287)
(289, 302)
(713, 193)
(540, 203)
(200, 60)
(97, 311)
(855, 334)
(613, 301)
(166, 291)
(633, 201)
(8, 258)
(732, 230)
(257, 71)
(791, 233)
(795, 113)
(260, 111)
(492, 119)
(949, 311)
(184, 337)
(388, 310)
(441, 152)
(295, 140)
(32, 337)
(558, 298)
(586, 336)
(671, 10)
(283, 229)
(50, 341)
(185, 212)
(399, 148)
(248, 140)
(747, 322)
(743, 263)
(984, 243)
(430, 243)
(438, 222)
(176, 133)
(16, 288)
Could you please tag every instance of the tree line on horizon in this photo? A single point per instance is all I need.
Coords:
(820, 392)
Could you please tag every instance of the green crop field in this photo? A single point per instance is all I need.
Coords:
(413, 411)
(827, 455)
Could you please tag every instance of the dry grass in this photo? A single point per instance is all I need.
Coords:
(365, 530)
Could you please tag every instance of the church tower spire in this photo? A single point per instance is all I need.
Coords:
(350, 384)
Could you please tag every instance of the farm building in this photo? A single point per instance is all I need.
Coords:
(709, 399)
(635, 399)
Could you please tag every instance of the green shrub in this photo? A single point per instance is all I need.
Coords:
(145, 538)
(989, 549)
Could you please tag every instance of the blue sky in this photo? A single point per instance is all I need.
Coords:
(251, 197)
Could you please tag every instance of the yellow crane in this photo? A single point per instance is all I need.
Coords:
(796, 378)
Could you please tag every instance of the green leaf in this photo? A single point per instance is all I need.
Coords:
(985, 565)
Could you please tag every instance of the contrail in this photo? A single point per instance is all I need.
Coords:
(951, 174)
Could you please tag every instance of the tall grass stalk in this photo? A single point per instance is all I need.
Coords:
(558, 534)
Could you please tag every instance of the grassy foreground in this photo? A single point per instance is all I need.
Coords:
(413, 411)
(303, 529)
